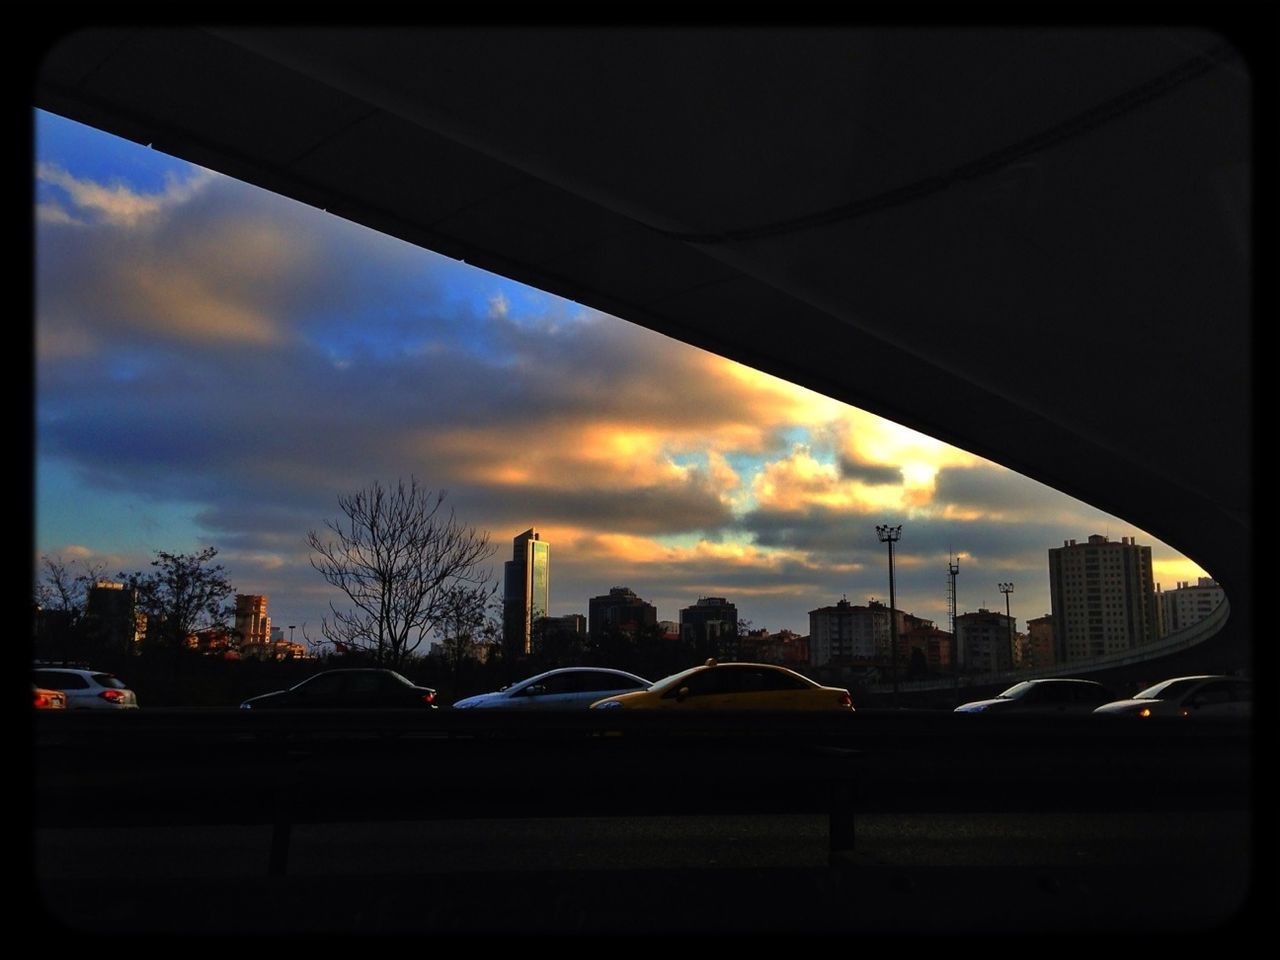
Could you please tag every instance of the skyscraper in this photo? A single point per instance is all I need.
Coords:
(1103, 597)
(526, 593)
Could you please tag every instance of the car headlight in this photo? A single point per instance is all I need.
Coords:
(246, 706)
(607, 705)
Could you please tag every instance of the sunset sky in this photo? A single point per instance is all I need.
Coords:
(216, 364)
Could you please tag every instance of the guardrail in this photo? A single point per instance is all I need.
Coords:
(284, 768)
(1195, 634)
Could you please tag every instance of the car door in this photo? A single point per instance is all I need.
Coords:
(554, 692)
(592, 685)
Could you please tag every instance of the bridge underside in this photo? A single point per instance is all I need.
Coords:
(1034, 244)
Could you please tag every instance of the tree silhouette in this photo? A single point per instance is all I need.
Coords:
(183, 593)
(400, 559)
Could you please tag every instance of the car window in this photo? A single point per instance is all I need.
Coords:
(589, 680)
(1223, 691)
(107, 680)
(322, 685)
(706, 682)
(1091, 693)
(391, 682)
(361, 683)
(557, 683)
(61, 680)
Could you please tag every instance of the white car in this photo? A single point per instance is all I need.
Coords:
(1202, 696)
(569, 688)
(87, 689)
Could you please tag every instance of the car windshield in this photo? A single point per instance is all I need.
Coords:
(1168, 689)
(107, 680)
(674, 679)
(1017, 690)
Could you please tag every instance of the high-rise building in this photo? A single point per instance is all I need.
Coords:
(986, 641)
(711, 626)
(1103, 597)
(253, 626)
(619, 609)
(1187, 604)
(526, 593)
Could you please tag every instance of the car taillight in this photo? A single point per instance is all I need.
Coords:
(429, 698)
(42, 701)
(115, 696)
(1144, 712)
(846, 700)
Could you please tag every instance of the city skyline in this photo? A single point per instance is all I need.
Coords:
(215, 365)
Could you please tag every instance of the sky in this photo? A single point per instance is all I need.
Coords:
(215, 365)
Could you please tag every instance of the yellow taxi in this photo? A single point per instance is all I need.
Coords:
(732, 686)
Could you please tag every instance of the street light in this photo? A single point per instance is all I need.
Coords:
(1006, 589)
(891, 535)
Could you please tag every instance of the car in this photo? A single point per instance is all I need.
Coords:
(567, 688)
(43, 699)
(733, 686)
(86, 689)
(1198, 696)
(353, 687)
(1049, 696)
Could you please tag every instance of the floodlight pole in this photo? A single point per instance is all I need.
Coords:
(1006, 589)
(890, 535)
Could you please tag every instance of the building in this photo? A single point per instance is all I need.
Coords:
(847, 634)
(1103, 597)
(253, 626)
(986, 641)
(112, 618)
(1187, 604)
(783, 647)
(925, 648)
(711, 626)
(1039, 651)
(619, 609)
(526, 594)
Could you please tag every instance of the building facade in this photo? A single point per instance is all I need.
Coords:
(1187, 604)
(850, 634)
(253, 626)
(1103, 597)
(711, 626)
(112, 618)
(1039, 651)
(986, 641)
(526, 594)
(619, 609)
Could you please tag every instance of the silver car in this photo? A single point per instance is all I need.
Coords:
(569, 688)
(1201, 696)
(87, 689)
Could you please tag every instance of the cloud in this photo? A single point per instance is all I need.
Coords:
(213, 345)
(115, 203)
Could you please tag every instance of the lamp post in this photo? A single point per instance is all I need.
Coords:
(1006, 589)
(891, 535)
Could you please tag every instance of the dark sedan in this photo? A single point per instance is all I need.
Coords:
(366, 688)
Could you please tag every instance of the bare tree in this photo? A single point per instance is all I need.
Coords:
(61, 589)
(399, 558)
